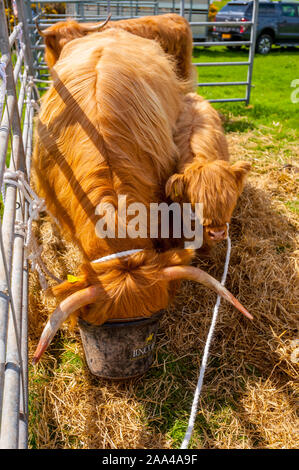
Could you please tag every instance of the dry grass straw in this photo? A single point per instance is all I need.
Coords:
(248, 398)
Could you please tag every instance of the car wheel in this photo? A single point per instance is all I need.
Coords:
(264, 44)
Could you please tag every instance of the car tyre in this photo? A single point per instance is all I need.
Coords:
(263, 44)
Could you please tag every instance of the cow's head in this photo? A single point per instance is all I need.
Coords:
(59, 34)
(217, 185)
(137, 286)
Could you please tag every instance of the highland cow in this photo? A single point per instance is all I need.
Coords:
(106, 129)
(171, 31)
(203, 172)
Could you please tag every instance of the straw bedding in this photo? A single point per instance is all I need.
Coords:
(249, 394)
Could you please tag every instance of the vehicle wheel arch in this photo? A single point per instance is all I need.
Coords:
(268, 31)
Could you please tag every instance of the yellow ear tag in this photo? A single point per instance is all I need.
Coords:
(72, 278)
(175, 191)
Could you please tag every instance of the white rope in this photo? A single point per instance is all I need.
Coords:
(20, 37)
(203, 366)
(2, 87)
(36, 206)
(34, 103)
(120, 254)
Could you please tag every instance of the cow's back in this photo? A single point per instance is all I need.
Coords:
(106, 126)
(171, 31)
(199, 132)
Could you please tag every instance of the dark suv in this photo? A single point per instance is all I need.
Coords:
(278, 23)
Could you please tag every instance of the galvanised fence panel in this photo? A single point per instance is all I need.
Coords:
(17, 98)
(192, 10)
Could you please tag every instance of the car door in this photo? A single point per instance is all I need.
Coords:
(288, 25)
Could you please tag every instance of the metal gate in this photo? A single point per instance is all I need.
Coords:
(96, 10)
(249, 63)
(17, 95)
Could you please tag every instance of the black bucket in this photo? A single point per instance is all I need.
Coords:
(120, 349)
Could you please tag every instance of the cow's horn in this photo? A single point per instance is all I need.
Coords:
(196, 274)
(66, 307)
(97, 26)
(43, 33)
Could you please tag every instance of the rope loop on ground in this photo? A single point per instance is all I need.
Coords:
(205, 357)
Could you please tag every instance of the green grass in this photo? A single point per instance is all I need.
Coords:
(293, 206)
(38, 380)
(173, 383)
(219, 5)
(270, 103)
(70, 361)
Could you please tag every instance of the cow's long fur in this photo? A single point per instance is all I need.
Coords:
(204, 173)
(171, 31)
(106, 128)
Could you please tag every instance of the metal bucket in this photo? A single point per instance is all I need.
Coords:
(120, 349)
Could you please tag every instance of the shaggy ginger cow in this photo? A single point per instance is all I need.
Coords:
(106, 129)
(203, 172)
(171, 31)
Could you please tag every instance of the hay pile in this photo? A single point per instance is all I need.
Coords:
(248, 398)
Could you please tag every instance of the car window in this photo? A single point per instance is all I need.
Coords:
(234, 8)
(249, 10)
(264, 10)
(289, 10)
(267, 10)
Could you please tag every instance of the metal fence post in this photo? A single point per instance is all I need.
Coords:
(255, 13)
(182, 7)
(23, 18)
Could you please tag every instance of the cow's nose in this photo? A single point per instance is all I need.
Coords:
(217, 235)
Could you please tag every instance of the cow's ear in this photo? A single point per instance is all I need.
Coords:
(241, 169)
(175, 187)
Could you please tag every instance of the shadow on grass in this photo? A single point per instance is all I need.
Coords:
(235, 124)
(216, 53)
